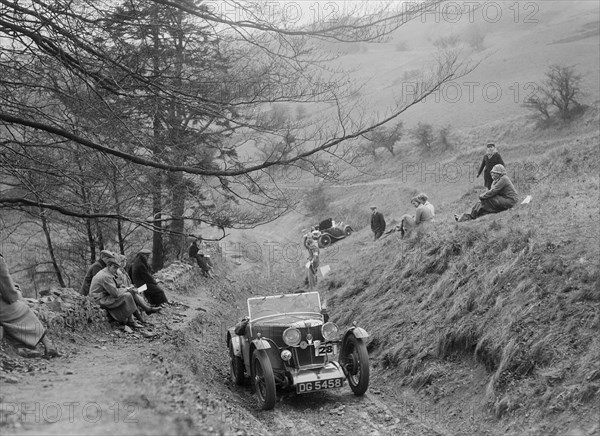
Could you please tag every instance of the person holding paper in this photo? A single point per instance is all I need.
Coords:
(123, 304)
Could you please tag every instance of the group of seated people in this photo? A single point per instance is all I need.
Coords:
(109, 284)
(501, 196)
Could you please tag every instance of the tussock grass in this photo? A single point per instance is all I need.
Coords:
(516, 293)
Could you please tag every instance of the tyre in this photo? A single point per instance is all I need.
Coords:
(236, 366)
(264, 380)
(355, 360)
(324, 241)
(348, 231)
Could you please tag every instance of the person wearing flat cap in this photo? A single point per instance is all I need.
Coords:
(123, 304)
(490, 159)
(377, 223)
(501, 196)
(94, 269)
(141, 274)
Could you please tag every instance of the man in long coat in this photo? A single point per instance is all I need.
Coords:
(377, 223)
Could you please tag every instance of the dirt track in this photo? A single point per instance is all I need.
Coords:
(122, 383)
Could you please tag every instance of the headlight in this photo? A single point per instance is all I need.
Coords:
(291, 336)
(330, 331)
(286, 355)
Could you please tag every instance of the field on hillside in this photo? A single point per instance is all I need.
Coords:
(501, 313)
(513, 43)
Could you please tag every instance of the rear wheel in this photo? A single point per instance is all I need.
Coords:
(355, 360)
(236, 366)
(264, 380)
(324, 241)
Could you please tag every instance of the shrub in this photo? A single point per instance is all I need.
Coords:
(560, 89)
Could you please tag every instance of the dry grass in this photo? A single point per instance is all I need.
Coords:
(517, 293)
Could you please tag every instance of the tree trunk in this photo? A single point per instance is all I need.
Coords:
(51, 248)
(157, 242)
(120, 237)
(177, 238)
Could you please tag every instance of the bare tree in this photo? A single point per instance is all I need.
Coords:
(560, 89)
(384, 137)
(116, 85)
(424, 136)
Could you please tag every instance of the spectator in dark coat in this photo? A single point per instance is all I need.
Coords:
(377, 223)
(141, 274)
(491, 158)
(502, 196)
(94, 269)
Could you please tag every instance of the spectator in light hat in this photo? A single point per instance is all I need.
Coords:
(501, 196)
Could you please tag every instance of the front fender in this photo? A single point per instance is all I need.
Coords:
(236, 342)
(358, 332)
(261, 344)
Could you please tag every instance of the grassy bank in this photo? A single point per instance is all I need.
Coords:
(514, 297)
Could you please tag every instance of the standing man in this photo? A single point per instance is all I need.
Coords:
(94, 269)
(377, 223)
(491, 158)
(312, 267)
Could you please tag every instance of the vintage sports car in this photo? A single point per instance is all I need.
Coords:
(287, 342)
(327, 232)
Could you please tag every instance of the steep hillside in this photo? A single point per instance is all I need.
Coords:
(500, 314)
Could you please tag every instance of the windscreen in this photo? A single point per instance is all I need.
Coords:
(306, 302)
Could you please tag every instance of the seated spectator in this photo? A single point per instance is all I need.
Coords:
(424, 200)
(501, 196)
(17, 317)
(423, 214)
(123, 279)
(121, 303)
(94, 268)
(141, 274)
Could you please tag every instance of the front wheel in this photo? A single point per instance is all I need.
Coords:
(264, 380)
(355, 360)
(236, 366)
(348, 231)
(324, 241)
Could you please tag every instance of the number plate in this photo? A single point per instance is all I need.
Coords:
(319, 385)
(325, 349)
